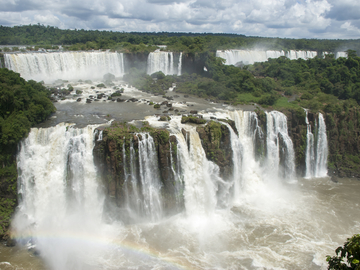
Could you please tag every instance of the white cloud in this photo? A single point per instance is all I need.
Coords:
(47, 19)
(277, 18)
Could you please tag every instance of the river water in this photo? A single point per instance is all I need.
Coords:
(292, 227)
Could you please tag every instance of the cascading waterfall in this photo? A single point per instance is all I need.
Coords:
(340, 54)
(294, 55)
(149, 178)
(178, 179)
(249, 57)
(316, 149)
(142, 185)
(164, 62)
(321, 149)
(199, 175)
(60, 196)
(180, 65)
(280, 150)
(132, 193)
(65, 65)
(310, 150)
(249, 169)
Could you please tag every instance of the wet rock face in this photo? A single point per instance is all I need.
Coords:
(215, 139)
(297, 131)
(343, 134)
(114, 164)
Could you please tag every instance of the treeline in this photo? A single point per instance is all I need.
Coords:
(80, 39)
(22, 105)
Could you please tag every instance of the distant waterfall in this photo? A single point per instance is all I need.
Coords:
(340, 54)
(180, 65)
(294, 55)
(280, 150)
(316, 149)
(249, 57)
(164, 62)
(65, 65)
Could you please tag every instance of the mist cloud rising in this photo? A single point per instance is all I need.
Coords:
(272, 18)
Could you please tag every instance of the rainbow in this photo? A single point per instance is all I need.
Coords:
(128, 247)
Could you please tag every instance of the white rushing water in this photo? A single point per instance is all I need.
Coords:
(340, 54)
(310, 150)
(150, 178)
(164, 62)
(316, 149)
(49, 67)
(249, 57)
(321, 149)
(256, 219)
(280, 150)
(60, 197)
(180, 65)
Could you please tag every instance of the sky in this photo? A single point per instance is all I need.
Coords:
(330, 19)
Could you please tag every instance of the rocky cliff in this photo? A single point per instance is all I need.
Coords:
(343, 131)
(113, 157)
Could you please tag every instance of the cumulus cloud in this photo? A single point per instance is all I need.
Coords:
(275, 18)
(344, 10)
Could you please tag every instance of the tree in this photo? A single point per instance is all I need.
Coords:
(350, 251)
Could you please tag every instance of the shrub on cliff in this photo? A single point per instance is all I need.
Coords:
(22, 105)
(347, 257)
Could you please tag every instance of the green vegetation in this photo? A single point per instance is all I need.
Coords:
(192, 119)
(22, 105)
(80, 39)
(156, 83)
(347, 257)
(318, 84)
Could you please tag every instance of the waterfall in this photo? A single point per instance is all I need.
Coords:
(59, 193)
(164, 62)
(100, 135)
(310, 153)
(132, 193)
(180, 65)
(249, 57)
(280, 150)
(321, 149)
(340, 54)
(200, 176)
(294, 55)
(65, 65)
(149, 178)
(316, 149)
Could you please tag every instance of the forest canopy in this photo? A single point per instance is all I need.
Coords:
(80, 39)
(22, 105)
